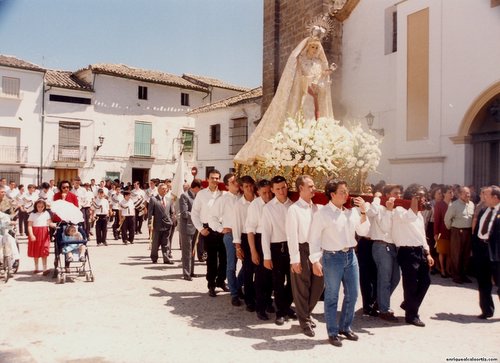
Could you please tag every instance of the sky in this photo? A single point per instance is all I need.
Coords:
(213, 38)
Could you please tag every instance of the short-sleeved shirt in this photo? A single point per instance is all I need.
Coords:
(39, 219)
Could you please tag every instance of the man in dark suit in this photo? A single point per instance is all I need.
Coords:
(486, 250)
(187, 230)
(161, 217)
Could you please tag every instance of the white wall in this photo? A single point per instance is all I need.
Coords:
(463, 57)
(217, 155)
(24, 113)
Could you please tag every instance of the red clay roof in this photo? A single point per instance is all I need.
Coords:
(249, 96)
(10, 61)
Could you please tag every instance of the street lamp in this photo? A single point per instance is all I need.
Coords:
(369, 121)
(101, 141)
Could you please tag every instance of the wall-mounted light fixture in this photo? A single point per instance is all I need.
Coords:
(369, 121)
(101, 141)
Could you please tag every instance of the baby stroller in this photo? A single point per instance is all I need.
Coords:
(9, 248)
(80, 266)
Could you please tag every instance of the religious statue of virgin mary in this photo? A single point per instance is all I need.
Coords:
(298, 133)
(303, 91)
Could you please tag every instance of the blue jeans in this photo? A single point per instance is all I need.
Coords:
(388, 275)
(340, 267)
(232, 282)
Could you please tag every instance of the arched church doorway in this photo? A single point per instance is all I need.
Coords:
(484, 134)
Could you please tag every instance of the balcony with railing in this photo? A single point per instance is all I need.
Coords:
(142, 150)
(69, 154)
(13, 154)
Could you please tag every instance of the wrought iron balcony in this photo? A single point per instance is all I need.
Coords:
(13, 154)
(70, 153)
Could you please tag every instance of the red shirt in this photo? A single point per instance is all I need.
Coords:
(439, 227)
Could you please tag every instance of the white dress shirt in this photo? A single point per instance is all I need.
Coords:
(127, 208)
(254, 212)
(334, 229)
(408, 228)
(200, 213)
(380, 222)
(273, 224)
(222, 213)
(482, 220)
(80, 193)
(115, 199)
(240, 218)
(11, 193)
(298, 224)
(101, 206)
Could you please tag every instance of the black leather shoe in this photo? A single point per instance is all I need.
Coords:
(188, 278)
(416, 322)
(168, 262)
(280, 320)
(370, 312)
(154, 261)
(195, 275)
(261, 315)
(335, 340)
(349, 335)
(235, 301)
(388, 316)
(211, 292)
(270, 309)
(309, 331)
(484, 316)
(223, 287)
(291, 314)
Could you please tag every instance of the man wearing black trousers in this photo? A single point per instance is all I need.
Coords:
(486, 250)
(213, 241)
(263, 277)
(275, 248)
(408, 232)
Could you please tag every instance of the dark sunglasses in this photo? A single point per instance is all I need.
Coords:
(65, 187)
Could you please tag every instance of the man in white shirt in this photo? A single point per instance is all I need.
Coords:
(306, 287)
(408, 233)
(275, 248)
(240, 240)
(486, 250)
(127, 218)
(115, 197)
(384, 250)
(332, 241)
(12, 191)
(221, 220)
(138, 197)
(253, 227)
(100, 213)
(212, 240)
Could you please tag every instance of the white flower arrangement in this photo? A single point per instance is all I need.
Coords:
(366, 151)
(324, 146)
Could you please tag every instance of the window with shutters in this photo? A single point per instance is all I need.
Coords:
(215, 134)
(143, 134)
(187, 140)
(11, 86)
(184, 99)
(238, 134)
(69, 141)
(143, 93)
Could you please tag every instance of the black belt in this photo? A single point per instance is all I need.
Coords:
(384, 242)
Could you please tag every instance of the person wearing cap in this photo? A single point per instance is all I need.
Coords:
(332, 241)
(100, 213)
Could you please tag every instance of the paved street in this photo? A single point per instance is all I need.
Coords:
(139, 312)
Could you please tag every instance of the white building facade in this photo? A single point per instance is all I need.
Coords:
(223, 127)
(428, 70)
(102, 122)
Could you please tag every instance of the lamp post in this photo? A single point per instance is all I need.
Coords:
(369, 121)
(101, 141)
